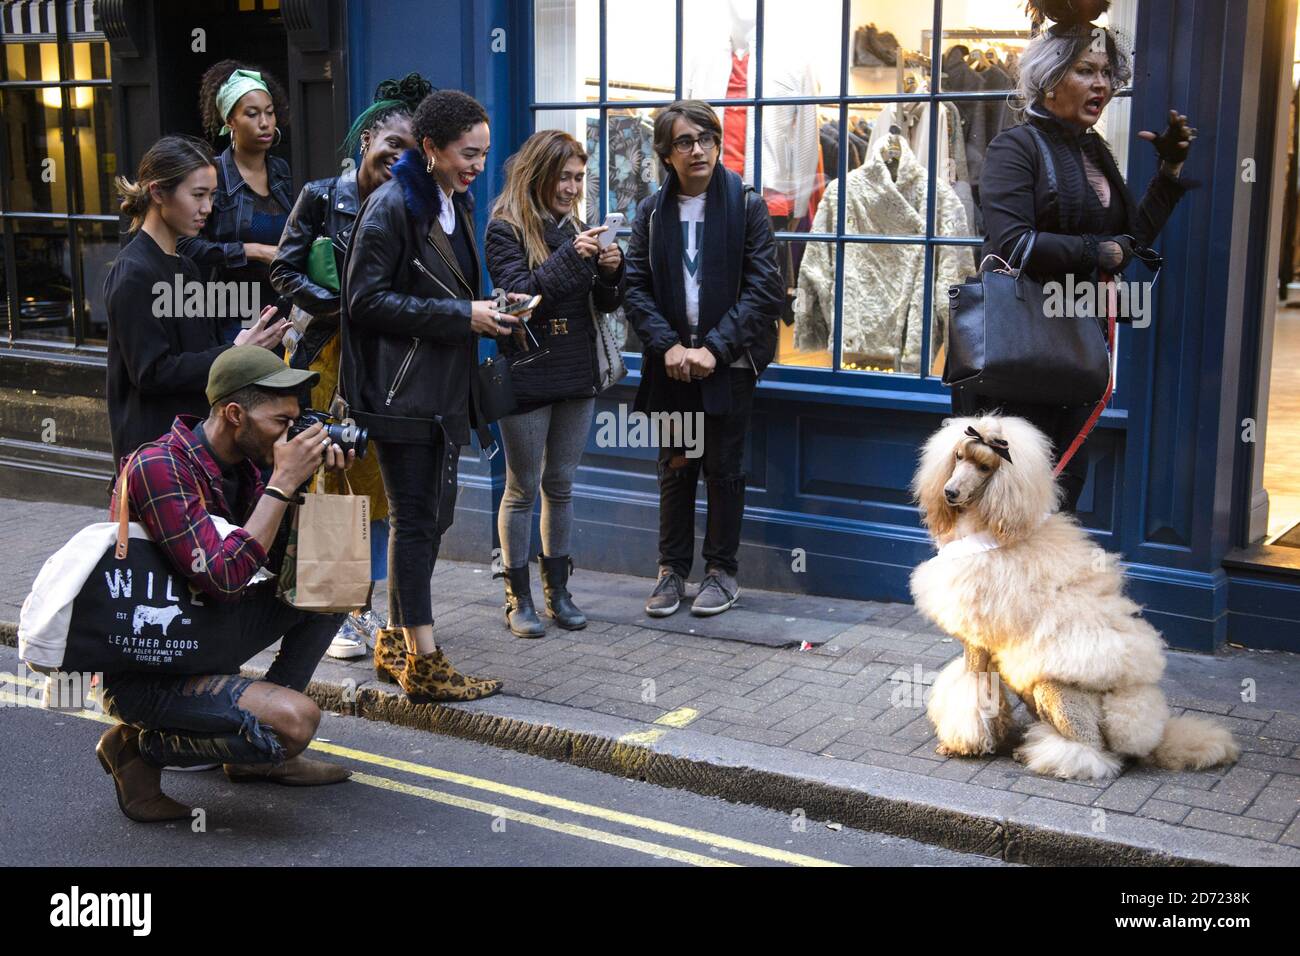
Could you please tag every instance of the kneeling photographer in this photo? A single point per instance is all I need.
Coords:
(212, 468)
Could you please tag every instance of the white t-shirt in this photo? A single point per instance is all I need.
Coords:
(690, 210)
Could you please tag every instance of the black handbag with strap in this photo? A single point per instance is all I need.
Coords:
(1005, 343)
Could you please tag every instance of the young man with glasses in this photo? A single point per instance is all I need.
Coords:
(704, 292)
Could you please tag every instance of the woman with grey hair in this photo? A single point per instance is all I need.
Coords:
(1090, 222)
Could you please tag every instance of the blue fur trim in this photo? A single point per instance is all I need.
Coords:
(419, 189)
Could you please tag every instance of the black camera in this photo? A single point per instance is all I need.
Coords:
(347, 435)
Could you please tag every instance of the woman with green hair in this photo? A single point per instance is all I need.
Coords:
(307, 268)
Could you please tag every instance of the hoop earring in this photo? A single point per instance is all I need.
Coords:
(429, 166)
(278, 137)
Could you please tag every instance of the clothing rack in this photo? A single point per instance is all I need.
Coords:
(975, 33)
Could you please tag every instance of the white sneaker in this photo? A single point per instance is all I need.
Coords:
(349, 643)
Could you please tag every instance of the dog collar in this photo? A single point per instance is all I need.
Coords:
(977, 542)
(968, 545)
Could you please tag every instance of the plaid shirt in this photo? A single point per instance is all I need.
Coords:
(164, 484)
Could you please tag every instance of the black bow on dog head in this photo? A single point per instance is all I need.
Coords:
(998, 445)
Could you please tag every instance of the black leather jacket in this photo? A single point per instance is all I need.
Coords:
(409, 355)
(325, 207)
(219, 244)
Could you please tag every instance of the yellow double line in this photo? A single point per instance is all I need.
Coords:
(714, 841)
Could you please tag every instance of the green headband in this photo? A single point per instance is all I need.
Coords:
(240, 83)
(363, 122)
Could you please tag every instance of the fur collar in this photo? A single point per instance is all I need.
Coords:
(419, 190)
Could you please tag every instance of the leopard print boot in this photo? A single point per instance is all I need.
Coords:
(430, 677)
(390, 654)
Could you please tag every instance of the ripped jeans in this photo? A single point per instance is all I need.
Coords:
(189, 720)
(723, 464)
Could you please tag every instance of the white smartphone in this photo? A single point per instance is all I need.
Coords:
(613, 223)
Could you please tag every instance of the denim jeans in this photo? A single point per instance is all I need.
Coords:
(724, 477)
(543, 447)
(420, 481)
(189, 720)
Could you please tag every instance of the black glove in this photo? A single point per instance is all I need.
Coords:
(1167, 143)
(1125, 244)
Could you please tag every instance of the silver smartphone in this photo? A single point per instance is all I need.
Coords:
(613, 223)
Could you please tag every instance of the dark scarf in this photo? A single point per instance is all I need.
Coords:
(722, 250)
(1069, 144)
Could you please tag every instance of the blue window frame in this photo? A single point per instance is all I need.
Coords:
(558, 29)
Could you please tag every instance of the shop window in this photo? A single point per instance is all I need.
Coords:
(848, 95)
(57, 202)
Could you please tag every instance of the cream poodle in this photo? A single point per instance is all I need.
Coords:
(1040, 609)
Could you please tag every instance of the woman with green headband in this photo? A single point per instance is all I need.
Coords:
(254, 189)
(307, 269)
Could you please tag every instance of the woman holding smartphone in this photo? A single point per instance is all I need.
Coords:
(412, 315)
(536, 245)
(254, 189)
(158, 364)
(306, 269)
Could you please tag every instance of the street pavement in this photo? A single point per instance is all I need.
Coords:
(732, 706)
(414, 800)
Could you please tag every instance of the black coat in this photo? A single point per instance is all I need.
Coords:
(157, 364)
(409, 354)
(325, 207)
(562, 322)
(1016, 197)
(747, 328)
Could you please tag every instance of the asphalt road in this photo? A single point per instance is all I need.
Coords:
(415, 799)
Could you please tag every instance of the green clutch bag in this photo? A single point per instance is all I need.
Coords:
(321, 266)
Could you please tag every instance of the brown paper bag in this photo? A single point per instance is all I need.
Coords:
(327, 563)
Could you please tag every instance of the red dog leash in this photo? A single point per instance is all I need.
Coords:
(1091, 423)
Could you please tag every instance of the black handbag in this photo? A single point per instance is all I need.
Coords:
(1004, 343)
(496, 394)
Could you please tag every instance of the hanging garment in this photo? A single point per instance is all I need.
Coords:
(883, 283)
(789, 132)
(735, 119)
(959, 169)
(634, 170)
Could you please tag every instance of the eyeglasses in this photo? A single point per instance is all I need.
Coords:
(686, 144)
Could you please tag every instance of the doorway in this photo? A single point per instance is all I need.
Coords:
(1282, 436)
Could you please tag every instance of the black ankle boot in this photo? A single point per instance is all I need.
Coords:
(559, 605)
(521, 616)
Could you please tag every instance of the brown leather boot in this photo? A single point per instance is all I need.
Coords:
(430, 677)
(138, 785)
(390, 654)
(297, 771)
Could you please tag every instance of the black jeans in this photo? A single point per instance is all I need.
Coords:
(187, 721)
(724, 479)
(1059, 423)
(420, 481)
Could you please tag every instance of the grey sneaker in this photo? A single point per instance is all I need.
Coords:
(718, 592)
(667, 596)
